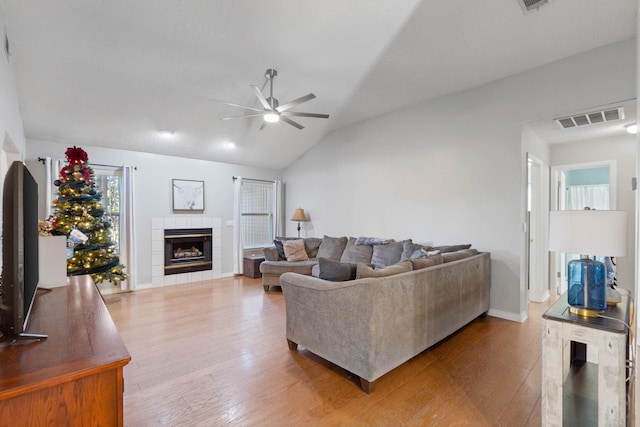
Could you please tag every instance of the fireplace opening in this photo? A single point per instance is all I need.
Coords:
(187, 250)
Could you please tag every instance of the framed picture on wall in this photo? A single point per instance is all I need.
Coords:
(188, 195)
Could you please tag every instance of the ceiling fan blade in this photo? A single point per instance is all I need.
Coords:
(295, 113)
(237, 105)
(291, 122)
(261, 97)
(243, 116)
(285, 107)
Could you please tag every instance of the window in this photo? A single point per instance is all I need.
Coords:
(108, 183)
(257, 214)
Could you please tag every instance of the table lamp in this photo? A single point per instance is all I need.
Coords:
(590, 233)
(299, 216)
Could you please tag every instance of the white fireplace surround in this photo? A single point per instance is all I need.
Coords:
(158, 225)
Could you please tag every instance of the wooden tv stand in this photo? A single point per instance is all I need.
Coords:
(74, 377)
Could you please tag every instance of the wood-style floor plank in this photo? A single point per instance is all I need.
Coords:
(214, 353)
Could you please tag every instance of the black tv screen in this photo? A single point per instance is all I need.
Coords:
(19, 249)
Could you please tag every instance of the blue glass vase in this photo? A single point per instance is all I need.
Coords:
(587, 284)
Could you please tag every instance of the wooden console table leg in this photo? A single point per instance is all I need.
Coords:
(552, 373)
(611, 379)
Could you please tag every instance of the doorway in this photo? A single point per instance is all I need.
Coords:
(576, 187)
(537, 207)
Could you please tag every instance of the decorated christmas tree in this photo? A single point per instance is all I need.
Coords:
(79, 216)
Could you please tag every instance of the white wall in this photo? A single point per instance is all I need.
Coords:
(153, 190)
(10, 120)
(451, 170)
(622, 150)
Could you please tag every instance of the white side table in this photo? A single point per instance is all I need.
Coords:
(566, 338)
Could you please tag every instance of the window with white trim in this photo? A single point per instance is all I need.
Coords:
(257, 214)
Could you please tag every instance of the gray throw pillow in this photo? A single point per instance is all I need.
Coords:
(354, 253)
(332, 247)
(409, 248)
(420, 263)
(385, 255)
(335, 271)
(364, 271)
(311, 245)
(280, 248)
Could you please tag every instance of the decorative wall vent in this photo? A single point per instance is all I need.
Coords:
(531, 5)
(591, 118)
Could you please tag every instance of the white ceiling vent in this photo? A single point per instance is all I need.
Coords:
(531, 5)
(591, 118)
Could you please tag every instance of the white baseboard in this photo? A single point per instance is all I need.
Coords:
(542, 298)
(508, 315)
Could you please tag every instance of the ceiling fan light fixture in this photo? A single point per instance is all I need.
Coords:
(632, 128)
(271, 117)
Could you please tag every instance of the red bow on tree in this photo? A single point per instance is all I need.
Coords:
(76, 155)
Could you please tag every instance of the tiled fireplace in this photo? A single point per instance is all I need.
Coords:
(194, 257)
(187, 250)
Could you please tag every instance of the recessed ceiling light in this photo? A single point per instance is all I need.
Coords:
(166, 134)
(228, 145)
(632, 128)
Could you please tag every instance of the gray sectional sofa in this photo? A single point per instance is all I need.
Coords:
(370, 317)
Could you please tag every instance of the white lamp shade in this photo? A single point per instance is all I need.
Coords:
(588, 232)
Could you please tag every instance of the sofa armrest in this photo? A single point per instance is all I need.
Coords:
(271, 253)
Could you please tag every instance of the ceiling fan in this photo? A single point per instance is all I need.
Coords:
(272, 111)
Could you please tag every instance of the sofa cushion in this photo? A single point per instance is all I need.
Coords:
(332, 247)
(363, 270)
(461, 254)
(278, 244)
(335, 271)
(420, 263)
(385, 255)
(354, 253)
(294, 250)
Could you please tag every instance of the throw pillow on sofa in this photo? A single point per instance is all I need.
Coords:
(363, 270)
(335, 271)
(354, 253)
(332, 247)
(278, 244)
(411, 250)
(294, 250)
(311, 245)
(386, 255)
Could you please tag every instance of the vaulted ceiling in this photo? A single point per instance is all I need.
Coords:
(115, 73)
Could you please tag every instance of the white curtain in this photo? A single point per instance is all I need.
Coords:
(277, 211)
(52, 172)
(127, 226)
(593, 196)
(238, 254)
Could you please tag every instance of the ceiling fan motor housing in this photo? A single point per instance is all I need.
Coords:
(271, 73)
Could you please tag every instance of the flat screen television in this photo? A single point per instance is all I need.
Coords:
(19, 251)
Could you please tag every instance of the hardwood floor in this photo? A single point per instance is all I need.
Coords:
(215, 353)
